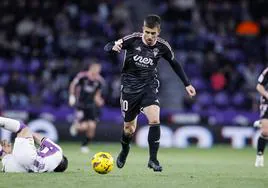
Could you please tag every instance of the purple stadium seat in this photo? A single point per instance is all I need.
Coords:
(34, 65)
(193, 69)
(4, 78)
(204, 99)
(85, 20)
(4, 65)
(49, 98)
(196, 107)
(33, 88)
(18, 65)
(238, 99)
(221, 100)
(199, 84)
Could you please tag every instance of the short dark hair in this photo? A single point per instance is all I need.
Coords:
(152, 20)
(63, 165)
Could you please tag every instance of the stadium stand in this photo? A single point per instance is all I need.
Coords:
(221, 44)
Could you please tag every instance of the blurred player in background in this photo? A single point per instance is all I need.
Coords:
(85, 96)
(263, 122)
(24, 157)
(139, 90)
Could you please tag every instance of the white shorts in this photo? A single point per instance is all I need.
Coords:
(24, 152)
(10, 164)
(22, 157)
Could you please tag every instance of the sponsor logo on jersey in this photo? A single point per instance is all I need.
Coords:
(143, 60)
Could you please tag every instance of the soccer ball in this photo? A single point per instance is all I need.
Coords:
(102, 162)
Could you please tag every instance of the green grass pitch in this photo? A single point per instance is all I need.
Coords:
(211, 168)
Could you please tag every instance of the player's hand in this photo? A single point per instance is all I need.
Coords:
(6, 146)
(72, 100)
(190, 90)
(99, 101)
(117, 45)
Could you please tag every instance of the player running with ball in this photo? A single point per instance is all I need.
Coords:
(139, 90)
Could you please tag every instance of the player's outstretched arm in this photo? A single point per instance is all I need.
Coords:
(114, 46)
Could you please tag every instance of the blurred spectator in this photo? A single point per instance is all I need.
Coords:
(248, 28)
(218, 81)
(211, 61)
(17, 91)
(250, 73)
(3, 100)
(46, 42)
(235, 80)
(25, 27)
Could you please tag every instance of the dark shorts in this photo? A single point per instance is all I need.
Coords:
(264, 111)
(132, 104)
(86, 114)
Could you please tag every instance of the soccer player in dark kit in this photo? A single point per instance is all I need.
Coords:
(85, 96)
(139, 90)
(263, 122)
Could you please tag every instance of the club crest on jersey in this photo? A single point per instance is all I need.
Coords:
(155, 51)
(143, 60)
(138, 48)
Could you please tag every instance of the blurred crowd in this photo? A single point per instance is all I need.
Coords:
(222, 44)
(43, 44)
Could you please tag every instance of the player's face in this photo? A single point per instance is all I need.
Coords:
(95, 69)
(150, 35)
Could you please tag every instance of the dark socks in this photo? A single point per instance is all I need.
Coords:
(85, 141)
(153, 141)
(122, 157)
(125, 140)
(261, 145)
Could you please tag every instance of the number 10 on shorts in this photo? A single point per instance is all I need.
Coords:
(124, 105)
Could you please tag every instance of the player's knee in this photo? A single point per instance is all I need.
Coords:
(83, 127)
(129, 129)
(264, 129)
(154, 121)
(264, 133)
(92, 125)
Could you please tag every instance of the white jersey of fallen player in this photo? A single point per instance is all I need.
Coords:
(26, 158)
(48, 158)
